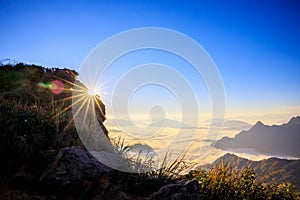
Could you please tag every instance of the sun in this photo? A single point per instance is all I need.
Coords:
(92, 92)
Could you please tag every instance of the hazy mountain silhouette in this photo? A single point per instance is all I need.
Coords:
(236, 124)
(168, 123)
(117, 122)
(229, 124)
(275, 140)
(171, 124)
(271, 169)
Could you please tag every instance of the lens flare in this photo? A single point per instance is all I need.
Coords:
(57, 87)
(41, 85)
(185, 90)
(48, 85)
(85, 96)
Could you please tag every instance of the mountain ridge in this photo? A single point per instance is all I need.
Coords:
(277, 140)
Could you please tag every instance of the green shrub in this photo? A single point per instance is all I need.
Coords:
(225, 182)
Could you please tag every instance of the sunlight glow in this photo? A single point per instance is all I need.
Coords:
(92, 92)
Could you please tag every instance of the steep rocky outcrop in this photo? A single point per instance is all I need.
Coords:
(74, 168)
(183, 189)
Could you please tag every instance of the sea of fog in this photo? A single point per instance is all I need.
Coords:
(197, 144)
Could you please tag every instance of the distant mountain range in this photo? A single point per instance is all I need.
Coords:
(271, 169)
(170, 123)
(229, 124)
(277, 140)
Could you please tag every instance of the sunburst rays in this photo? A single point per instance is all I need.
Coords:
(85, 97)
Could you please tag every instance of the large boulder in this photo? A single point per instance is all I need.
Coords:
(183, 189)
(74, 169)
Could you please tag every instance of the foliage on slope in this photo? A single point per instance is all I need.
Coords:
(29, 112)
(222, 181)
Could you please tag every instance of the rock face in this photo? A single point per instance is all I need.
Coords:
(181, 190)
(74, 171)
(74, 168)
(100, 113)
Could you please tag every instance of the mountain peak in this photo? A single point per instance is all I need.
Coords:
(258, 124)
(294, 120)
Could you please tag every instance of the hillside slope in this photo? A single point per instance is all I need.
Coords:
(271, 169)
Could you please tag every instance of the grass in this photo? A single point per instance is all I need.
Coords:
(29, 127)
(148, 176)
(147, 164)
(226, 182)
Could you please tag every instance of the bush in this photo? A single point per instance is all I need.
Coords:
(225, 182)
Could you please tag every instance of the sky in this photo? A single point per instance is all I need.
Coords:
(254, 44)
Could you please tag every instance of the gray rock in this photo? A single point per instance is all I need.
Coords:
(183, 189)
(74, 168)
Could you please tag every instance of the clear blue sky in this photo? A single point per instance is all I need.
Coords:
(255, 44)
